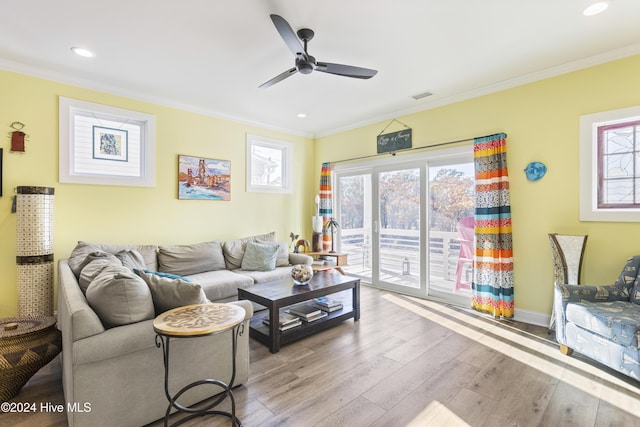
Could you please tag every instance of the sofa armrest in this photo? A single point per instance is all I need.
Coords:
(298, 258)
(76, 319)
(566, 294)
(248, 307)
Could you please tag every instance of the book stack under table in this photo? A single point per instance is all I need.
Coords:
(287, 321)
(307, 312)
(327, 304)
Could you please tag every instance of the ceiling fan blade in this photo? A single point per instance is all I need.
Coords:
(280, 77)
(346, 70)
(288, 35)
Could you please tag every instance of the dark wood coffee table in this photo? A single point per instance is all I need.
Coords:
(283, 293)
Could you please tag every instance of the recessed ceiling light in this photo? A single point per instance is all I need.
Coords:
(595, 8)
(86, 53)
(302, 115)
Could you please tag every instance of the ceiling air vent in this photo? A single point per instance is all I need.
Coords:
(421, 95)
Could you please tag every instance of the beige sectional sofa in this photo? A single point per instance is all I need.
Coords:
(113, 372)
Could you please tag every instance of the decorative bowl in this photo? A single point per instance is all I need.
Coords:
(301, 274)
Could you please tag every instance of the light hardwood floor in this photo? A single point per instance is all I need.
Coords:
(409, 362)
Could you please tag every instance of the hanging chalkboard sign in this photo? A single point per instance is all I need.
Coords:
(394, 141)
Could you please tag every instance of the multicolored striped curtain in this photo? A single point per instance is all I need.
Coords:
(493, 259)
(326, 203)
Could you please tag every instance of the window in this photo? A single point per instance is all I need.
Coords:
(610, 166)
(268, 165)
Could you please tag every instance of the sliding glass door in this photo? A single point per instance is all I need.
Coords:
(399, 222)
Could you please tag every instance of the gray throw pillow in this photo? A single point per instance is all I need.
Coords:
(78, 256)
(131, 259)
(96, 262)
(119, 297)
(191, 259)
(234, 249)
(260, 256)
(283, 255)
(168, 293)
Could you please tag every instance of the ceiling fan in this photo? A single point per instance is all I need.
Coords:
(306, 63)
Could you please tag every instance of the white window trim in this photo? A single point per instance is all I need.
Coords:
(287, 167)
(589, 124)
(68, 143)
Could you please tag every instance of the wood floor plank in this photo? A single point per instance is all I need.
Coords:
(400, 384)
(430, 396)
(360, 412)
(570, 406)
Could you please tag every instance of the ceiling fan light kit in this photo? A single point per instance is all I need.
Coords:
(305, 63)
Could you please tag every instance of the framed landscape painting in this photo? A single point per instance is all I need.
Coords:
(203, 179)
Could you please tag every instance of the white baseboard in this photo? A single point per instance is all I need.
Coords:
(532, 317)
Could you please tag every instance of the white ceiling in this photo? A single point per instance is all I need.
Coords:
(210, 56)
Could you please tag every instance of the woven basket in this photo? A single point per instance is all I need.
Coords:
(26, 345)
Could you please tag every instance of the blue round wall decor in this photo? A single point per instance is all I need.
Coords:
(535, 171)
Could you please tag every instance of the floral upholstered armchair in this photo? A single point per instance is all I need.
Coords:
(602, 322)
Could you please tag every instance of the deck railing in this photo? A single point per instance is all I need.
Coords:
(400, 251)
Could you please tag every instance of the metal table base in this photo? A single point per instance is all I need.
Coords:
(163, 341)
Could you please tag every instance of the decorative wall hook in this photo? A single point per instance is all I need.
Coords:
(18, 137)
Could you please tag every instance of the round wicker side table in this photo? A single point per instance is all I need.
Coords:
(26, 345)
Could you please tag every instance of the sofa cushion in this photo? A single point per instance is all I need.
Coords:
(168, 293)
(267, 276)
(260, 256)
(618, 321)
(119, 297)
(93, 265)
(234, 249)
(221, 284)
(191, 259)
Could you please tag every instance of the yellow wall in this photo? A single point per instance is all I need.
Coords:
(542, 123)
(139, 215)
(541, 120)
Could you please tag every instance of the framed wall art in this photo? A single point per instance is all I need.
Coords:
(200, 178)
(105, 145)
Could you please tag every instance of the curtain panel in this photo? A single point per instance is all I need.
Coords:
(492, 287)
(326, 203)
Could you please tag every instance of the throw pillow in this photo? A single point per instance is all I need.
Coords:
(191, 259)
(168, 293)
(233, 253)
(119, 297)
(78, 256)
(234, 249)
(94, 264)
(283, 255)
(131, 259)
(260, 256)
(161, 274)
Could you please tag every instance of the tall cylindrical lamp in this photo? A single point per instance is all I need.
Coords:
(34, 255)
